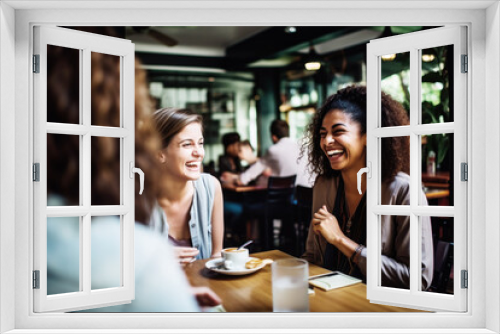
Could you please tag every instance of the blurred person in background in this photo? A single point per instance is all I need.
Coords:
(189, 208)
(337, 151)
(160, 284)
(247, 153)
(279, 160)
(230, 160)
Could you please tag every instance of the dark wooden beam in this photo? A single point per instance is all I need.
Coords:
(150, 58)
(275, 42)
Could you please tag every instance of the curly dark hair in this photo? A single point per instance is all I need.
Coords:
(352, 101)
(63, 150)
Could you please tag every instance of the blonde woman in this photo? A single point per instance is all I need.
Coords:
(189, 206)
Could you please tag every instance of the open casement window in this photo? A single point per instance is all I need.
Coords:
(431, 64)
(74, 217)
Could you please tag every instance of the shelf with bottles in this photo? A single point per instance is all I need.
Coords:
(299, 95)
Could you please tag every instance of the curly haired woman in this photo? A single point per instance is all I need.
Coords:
(337, 234)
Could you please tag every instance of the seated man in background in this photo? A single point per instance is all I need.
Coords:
(279, 160)
(230, 160)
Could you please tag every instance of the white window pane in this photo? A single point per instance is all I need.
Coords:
(437, 85)
(443, 244)
(395, 72)
(395, 168)
(437, 168)
(63, 255)
(106, 171)
(106, 87)
(106, 252)
(63, 85)
(395, 251)
(63, 169)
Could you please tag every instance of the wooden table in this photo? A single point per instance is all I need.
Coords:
(253, 293)
(437, 180)
(434, 193)
(437, 188)
(242, 189)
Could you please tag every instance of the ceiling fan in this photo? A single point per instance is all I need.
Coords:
(159, 36)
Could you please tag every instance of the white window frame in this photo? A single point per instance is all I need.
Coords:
(414, 43)
(483, 20)
(85, 43)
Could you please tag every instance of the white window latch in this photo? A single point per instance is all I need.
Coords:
(141, 175)
(368, 171)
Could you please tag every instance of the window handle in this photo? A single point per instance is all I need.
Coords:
(368, 171)
(141, 175)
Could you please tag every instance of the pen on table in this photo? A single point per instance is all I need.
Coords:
(323, 275)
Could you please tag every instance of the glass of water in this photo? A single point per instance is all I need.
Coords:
(290, 285)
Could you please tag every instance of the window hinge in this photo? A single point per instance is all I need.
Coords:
(36, 63)
(465, 64)
(465, 279)
(464, 168)
(36, 172)
(36, 279)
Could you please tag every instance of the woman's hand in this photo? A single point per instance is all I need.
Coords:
(205, 296)
(185, 254)
(327, 225)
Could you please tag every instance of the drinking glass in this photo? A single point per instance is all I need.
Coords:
(290, 285)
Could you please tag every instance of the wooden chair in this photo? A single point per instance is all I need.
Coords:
(443, 262)
(280, 193)
(303, 215)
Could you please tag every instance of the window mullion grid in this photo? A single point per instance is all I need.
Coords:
(415, 106)
(40, 156)
(406, 210)
(81, 159)
(80, 211)
(85, 164)
(122, 176)
(80, 130)
(373, 156)
(421, 130)
(127, 121)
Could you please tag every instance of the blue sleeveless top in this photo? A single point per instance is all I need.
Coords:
(200, 222)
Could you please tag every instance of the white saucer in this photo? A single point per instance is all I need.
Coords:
(213, 264)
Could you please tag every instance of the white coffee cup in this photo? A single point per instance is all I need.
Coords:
(234, 258)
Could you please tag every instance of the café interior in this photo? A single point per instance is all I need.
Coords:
(240, 79)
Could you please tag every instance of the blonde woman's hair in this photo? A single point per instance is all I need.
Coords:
(171, 121)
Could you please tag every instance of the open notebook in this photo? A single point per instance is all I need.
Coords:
(332, 280)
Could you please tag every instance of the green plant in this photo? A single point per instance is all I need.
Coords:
(436, 98)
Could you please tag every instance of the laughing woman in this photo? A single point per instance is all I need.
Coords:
(189, 207)
(337, 233)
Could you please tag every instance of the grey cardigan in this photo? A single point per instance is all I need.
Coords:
(395, 233)
(200, 223)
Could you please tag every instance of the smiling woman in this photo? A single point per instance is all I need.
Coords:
(189, 205)
(337, 233)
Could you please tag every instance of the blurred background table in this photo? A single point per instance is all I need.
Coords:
(253, 293)
(437, 188)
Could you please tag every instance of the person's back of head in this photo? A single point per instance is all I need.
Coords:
(280, 129)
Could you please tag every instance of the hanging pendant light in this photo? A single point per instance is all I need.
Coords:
(312, 61)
